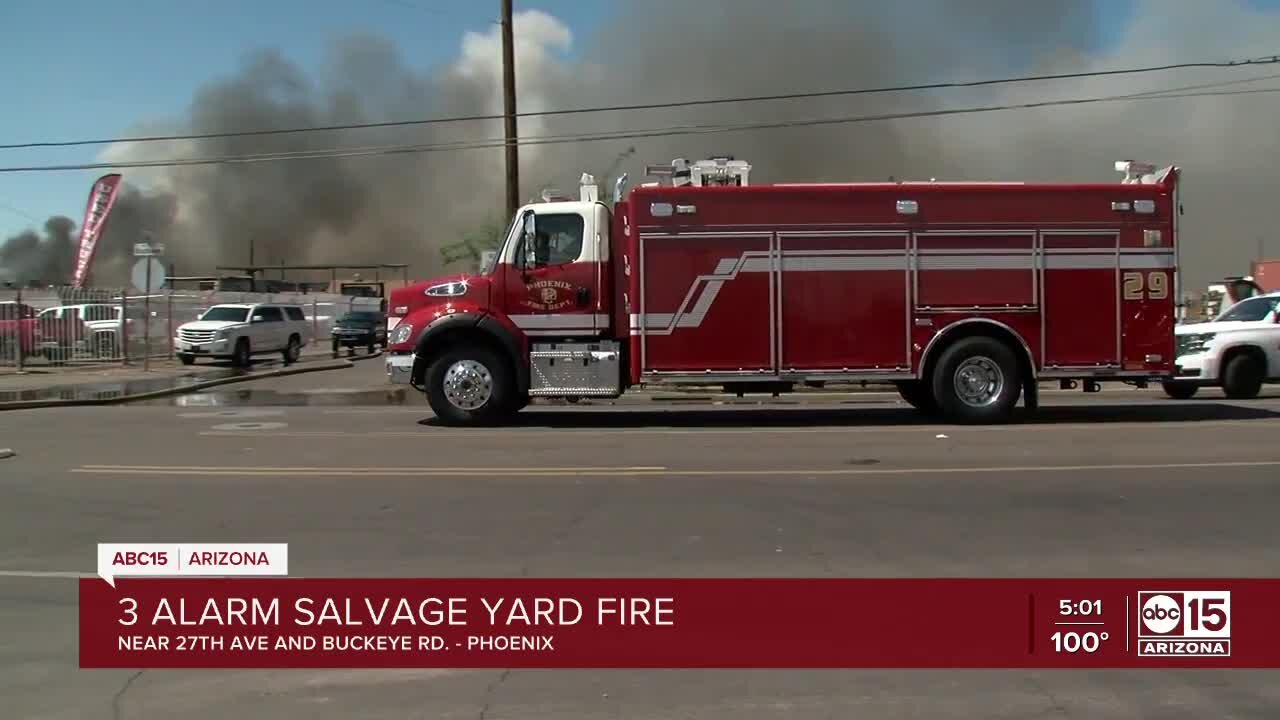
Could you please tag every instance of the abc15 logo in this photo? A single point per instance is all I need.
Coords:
(1184, 614)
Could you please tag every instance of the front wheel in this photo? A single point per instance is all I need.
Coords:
(977, 381)
(293, 350)
(240, 357)
(1179, 390)
(186, 359)
(470, 386)
(1242, 378)
(916, 393)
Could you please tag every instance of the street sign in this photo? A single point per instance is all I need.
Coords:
(148, 275)
(148, 249)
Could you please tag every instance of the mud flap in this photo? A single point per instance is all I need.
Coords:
(1031, 394)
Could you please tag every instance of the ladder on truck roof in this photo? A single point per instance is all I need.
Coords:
(1137, 173)
(720, 170)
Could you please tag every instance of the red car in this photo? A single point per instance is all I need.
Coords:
(18, 329)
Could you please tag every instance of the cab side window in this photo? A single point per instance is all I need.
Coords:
(559, 239)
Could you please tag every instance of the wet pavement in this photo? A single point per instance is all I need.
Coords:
(263, 397)
(110, 390)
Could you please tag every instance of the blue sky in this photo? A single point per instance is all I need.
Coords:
(80, 68)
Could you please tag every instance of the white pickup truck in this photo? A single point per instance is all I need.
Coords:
(239, 331)
(1237, 351)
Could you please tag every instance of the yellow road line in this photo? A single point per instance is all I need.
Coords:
(273, 468)
(643, 472)
(537, 430)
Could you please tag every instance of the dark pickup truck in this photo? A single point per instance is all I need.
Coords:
(366, 329)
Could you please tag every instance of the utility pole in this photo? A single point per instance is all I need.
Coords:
(509, 111)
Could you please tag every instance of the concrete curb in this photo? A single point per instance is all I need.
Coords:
(181, 390)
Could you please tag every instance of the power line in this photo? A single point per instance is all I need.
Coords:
(1265, 60)
(1170, 93)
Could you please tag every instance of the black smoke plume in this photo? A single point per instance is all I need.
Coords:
(405, 207)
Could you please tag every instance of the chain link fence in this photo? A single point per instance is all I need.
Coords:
(69, 327)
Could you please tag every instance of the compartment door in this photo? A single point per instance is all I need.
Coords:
(707, 303)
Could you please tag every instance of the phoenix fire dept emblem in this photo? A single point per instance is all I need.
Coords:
(549, 295)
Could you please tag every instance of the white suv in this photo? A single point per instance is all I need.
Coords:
(1238, 351)
(241, 330)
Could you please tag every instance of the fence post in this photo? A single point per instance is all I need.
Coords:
(18, 335)
(169, 320)
(124, 327)
(315, 323)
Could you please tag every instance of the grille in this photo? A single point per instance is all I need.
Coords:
(197, 335)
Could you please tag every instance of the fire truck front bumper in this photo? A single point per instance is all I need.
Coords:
(1199, 366)
(399, 369)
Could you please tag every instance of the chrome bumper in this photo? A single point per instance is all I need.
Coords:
(399, 369)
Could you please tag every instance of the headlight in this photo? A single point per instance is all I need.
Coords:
(401, 334)
(1197, 342)
(449, 289)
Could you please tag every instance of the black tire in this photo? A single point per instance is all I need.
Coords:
(1179, 390)
(916, 393)
(493, 400)
(186, 359)
(240, 357)
(293, 350)
(1242, 377)
(979, 355)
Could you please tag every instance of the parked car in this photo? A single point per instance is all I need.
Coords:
(61, 332)
(240, 331)
(18, 330)
(94, 327)
(360, 328)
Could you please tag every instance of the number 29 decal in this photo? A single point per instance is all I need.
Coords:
(1152, 285)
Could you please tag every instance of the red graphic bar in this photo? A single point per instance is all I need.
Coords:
(679, 623)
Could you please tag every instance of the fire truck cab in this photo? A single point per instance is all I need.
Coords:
(964, 295)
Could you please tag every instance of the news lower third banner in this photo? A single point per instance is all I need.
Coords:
(274, 622)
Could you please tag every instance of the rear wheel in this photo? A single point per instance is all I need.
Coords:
(1179, 390)
(470, 385)
(976, 381)
(1242, 378)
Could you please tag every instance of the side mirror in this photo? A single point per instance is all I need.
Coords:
(529, 234)
(257, 318)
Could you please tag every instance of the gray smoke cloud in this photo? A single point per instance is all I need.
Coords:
(403, 208)
(31, 255)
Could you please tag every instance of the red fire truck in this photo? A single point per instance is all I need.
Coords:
(965, 295)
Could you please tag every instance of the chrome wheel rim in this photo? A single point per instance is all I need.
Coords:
(468, 385)
(978, 381)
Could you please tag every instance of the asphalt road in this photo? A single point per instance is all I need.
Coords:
(1121, 483)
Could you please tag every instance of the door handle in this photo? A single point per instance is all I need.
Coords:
(584, 296)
